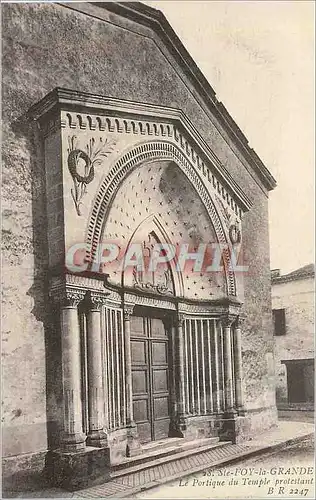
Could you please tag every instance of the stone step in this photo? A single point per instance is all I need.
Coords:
(163, 447)
(173, 444)
(170, 454)
(162, 444)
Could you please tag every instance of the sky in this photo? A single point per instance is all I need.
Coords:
(259, 58)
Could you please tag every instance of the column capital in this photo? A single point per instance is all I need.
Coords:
(128, 311)
(95, 300)
(67, 296)
(179, 319)
(227, 320)
(240, 321)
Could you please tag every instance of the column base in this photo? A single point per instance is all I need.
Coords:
(76, 470)
(73, 442)
(232, 413)
(241, 410)
(235, 429)
(178, 426)
(133, 446)
(97, 439)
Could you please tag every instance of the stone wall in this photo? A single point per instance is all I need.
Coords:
(297, 298)
(49, 45)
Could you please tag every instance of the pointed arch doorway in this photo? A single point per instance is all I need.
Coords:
(175, 386)
(152, 336)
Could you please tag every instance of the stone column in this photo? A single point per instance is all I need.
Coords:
(179, 379)
(238, 366)
(73, 439)
(132, 447)
(97, 437)
(227, 321)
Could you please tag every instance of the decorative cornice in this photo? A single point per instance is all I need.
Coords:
(218, 308)
(156, 21)
(67, 296)
(142, 300)
(303, 275)
(71, 289)
(122, 116)
(201, 309)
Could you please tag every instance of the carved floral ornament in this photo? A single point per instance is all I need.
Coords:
(67, 296)
(231, 222)
(110, 125)
(59, 110)
(96, 152)
(235, 234)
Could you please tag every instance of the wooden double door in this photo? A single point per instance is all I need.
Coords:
(150, 352)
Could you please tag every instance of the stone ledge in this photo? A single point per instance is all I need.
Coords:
(23, 472)
(73, 471)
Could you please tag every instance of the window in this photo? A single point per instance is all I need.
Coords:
(279, 321)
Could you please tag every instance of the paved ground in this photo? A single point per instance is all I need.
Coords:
(259, 477)
(296, 415)
(133, 483)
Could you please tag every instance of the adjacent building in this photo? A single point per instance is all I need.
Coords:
(293, 299)
(113, 135)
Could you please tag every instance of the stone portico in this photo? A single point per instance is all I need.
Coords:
(145, 356)
(119, 139)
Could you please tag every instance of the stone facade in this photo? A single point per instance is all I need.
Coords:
(144, 118)
(294, 292)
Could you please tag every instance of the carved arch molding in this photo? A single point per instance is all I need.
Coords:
(130, 160)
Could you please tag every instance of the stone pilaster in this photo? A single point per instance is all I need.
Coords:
(132, 447)
(76, 465)
(238, 366)
(97, 436)
(227, 322)
(180, 423)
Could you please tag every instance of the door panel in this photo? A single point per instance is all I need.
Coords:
(161, 429)
(141, 410)
(137, 325)
(139, 352)
(139, 381)
(150, 378)
(160, 353)
(160, 381)
(161, 407)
